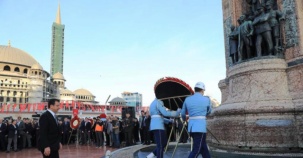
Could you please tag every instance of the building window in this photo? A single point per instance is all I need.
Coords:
(7, 68)
(25, 71)
(17, 69)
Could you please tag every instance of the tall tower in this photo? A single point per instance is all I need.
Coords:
(57, 45)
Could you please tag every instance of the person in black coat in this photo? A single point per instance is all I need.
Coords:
(88, 128)
(49, 140)
(82, 130)
(66, 130)
(136, 130)
(37, 130)
(12, 136)
(146, 124)
(2, 134)
(128, 126)
(28, 133)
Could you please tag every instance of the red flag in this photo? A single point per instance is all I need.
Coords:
(61, 104)
(40, 106)
(83, 107)
(66, 104)
(73, 104)
(22, 107)
(93, 109)
(102, 109)
(34, 107)
(14, 107)
(7, 108)
(29, 107)
(79, 105)
(2, 109)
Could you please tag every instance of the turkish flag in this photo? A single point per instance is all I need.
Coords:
(73, 104)
(67, 104)
(2, 109)
(75, 112)
(61, 105)
(34, 107)
(22, 107)
(29, 107)
(93, 109)
(7, 108)
(79, 105)
(41, 106)
(14, 107)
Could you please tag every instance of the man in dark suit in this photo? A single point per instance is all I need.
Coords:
(12, 136)
(2, 134)
(49, 141)
(21, 133)
(82, 130)
(66, 130)
(88, 128)
(128, 126)
(146, 124)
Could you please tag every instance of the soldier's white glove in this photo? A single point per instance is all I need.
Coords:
(179, 110)
(171, 120)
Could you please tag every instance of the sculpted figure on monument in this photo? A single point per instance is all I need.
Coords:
(246, 30)
(254, 4)
(273, 3)
(263, 32)
(233, 43)
(275, 16)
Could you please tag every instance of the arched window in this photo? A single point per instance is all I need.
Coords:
(25, 71)
(36, 72)
(7, 68)
(17, 69)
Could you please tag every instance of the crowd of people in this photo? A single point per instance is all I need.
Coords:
(112, 132)
(49, 134)
(18, 134)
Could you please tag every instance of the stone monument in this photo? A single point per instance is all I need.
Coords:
(262, 94)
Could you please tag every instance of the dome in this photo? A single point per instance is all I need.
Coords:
(117, 100)
(13, 55)
(83, 92)
(37, 66)
(66, 91)
(59, 76)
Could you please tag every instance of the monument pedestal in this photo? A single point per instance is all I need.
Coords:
(257, 112)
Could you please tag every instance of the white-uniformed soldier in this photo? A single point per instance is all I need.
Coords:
(198, 107)
(157, 111)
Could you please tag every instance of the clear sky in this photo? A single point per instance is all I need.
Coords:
(112, 46)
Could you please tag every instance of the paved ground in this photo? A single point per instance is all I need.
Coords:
(70, 151)
(183, 151)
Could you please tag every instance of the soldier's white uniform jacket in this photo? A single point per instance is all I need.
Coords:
(157, 111)
(198, 107)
